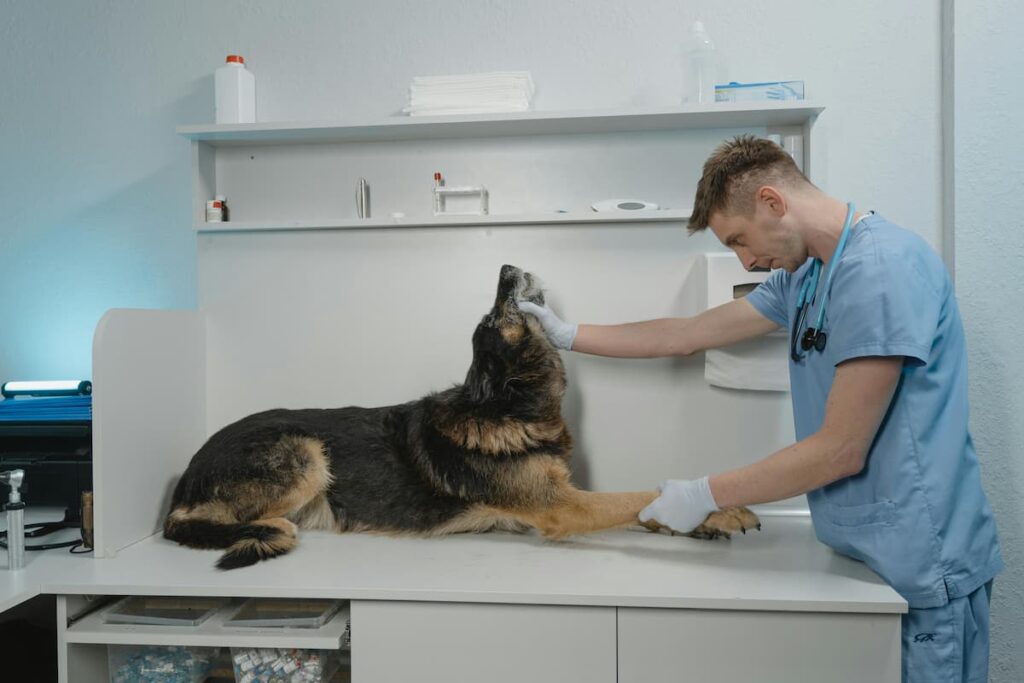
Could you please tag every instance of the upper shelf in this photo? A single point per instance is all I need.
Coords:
(722, 115)
(451, 221)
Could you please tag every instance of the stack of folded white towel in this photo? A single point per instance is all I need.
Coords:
(498, 91)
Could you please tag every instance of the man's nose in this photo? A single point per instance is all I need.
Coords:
(748, 260)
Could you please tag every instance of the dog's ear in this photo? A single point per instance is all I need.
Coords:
(483, 380)
(479, 384)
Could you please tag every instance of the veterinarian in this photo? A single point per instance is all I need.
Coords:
(878, 374)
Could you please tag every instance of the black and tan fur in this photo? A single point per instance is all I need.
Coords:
(491, 453)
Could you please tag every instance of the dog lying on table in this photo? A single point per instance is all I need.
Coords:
(490, 453)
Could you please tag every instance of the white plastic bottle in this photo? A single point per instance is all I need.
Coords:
(700, 73)
(236, 92)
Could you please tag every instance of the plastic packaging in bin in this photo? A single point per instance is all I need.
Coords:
(163, 611)
(284, 612)
(284, 665)
(159, 664)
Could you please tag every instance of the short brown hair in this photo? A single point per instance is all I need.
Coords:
(734, 172)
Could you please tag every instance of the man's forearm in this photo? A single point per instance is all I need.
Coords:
(802, 467)
(718, 326)
(860, 396)
(646, 339)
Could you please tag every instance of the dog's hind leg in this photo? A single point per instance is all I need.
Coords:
(246, 542)
(252, 517)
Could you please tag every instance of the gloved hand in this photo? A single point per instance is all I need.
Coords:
(682, 505)
(559, 332)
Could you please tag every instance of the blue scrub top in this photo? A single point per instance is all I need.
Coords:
(916, 513)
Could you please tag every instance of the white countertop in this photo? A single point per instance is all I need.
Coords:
(781, 568)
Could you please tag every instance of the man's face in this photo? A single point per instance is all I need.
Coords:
(761, 240)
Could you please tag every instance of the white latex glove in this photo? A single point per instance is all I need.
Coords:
(682, 505)
(559, 332)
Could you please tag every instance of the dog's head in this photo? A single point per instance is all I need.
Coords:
(513, 360)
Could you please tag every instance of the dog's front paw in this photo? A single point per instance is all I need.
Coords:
(724, 523)
(652, 525)
(720, 524)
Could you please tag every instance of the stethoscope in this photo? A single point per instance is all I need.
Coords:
(815, 337)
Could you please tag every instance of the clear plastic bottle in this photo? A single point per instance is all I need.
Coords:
(700, 66)
(236, 92)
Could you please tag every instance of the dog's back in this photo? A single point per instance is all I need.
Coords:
(347, 469)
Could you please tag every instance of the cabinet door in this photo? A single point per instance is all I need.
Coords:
(450, 642)
(767, 647)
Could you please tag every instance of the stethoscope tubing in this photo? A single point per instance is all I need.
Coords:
(816, 334)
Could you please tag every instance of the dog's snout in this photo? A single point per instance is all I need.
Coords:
(510, 272)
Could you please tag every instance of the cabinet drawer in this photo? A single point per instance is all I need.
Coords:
(444, 642)
(767, 647)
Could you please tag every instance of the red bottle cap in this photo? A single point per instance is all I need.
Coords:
(236, 58)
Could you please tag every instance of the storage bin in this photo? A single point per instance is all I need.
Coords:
(283, 612)
(284, 665)
(159, 664)
(163, 611)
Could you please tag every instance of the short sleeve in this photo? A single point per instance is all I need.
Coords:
(882, 308)
(769, 297)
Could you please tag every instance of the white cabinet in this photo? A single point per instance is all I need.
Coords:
(445, 642)
(767, 647)
(618, 605)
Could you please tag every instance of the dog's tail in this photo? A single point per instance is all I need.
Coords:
(246, 542)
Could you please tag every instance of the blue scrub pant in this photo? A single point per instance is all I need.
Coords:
(948, 644)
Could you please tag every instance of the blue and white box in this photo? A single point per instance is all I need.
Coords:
(759, 92)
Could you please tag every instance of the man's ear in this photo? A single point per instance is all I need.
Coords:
(772, 199)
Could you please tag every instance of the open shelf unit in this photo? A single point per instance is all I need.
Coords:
(93, 629)
(542, 167)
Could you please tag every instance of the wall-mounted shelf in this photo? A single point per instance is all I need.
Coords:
(560, 158)
(589, 217)
(723, 115)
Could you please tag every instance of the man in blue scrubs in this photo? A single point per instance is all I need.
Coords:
(879, 398)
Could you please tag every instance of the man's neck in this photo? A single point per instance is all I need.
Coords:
(823, 219)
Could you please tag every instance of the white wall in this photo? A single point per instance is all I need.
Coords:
(989, 233)
(378, 317)
(96, 206)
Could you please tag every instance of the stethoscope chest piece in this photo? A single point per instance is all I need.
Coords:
(813, 338)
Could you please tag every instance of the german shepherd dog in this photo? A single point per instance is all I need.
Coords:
(490, 453)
